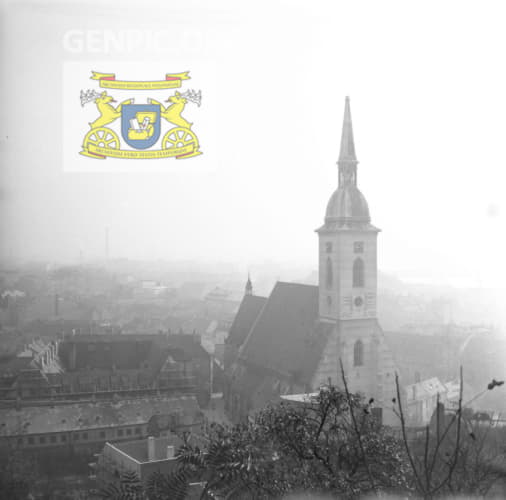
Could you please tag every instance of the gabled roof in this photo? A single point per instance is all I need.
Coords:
(425, 389)
(287, 338)
(248, 312)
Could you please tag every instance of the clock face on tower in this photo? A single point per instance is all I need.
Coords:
(358, 301)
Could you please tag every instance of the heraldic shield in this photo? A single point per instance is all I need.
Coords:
(140, 124)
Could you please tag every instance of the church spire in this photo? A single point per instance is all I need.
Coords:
(347, 158)
(249, 287)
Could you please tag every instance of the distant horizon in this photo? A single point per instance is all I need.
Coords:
(210, 266)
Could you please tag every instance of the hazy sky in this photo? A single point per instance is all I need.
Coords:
(427, 85)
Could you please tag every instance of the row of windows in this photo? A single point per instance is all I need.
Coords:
(358, 247)
(358, 273)
(83, 436)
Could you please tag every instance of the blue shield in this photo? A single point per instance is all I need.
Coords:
(140, 124)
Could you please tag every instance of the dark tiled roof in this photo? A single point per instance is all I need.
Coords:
(14, 365)
(64, 418)
(125, 351)
(287, 338)
(190, 344)
(106, 338)
(248, 312)
(179, 355)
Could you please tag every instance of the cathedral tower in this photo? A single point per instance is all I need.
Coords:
(347, 243)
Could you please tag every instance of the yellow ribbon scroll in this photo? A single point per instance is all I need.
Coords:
(181, 153)
(108, 81)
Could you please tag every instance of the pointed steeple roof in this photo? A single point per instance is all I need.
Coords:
(347, 152)
(347, 207)
(347, 162)
(249, 287)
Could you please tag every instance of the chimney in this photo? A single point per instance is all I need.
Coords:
(170, 451)
(151, 448)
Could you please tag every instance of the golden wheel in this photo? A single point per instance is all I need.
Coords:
(101, 137)
(180, 137)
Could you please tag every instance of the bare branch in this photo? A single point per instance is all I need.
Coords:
(405, 437)
(357, 431)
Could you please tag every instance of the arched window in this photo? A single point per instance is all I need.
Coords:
(358, 273)
(330, 273)
(358, 353)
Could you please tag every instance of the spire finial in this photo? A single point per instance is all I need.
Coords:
(347, 158)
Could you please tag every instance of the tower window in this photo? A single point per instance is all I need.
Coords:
(329, 302)
(328, 247)
(330, 273)
(358, 246)
(358, 353)
(358, 273)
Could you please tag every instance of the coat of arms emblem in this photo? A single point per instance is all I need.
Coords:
(142, 124)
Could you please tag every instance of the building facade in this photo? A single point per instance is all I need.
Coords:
(295, 340)
(142, 457)
(74, 428)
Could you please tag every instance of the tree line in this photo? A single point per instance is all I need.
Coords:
(335, 446)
